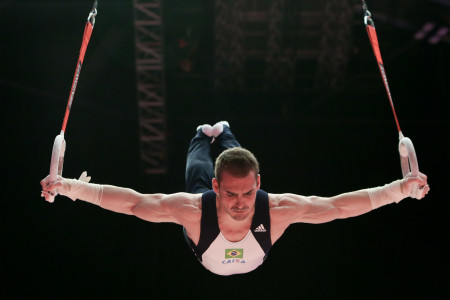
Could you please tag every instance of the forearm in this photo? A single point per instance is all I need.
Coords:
(110, 197)
(362, 201)
(120, 199)
(351, 204)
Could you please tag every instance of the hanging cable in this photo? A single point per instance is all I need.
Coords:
(59, 145)
(408, 156)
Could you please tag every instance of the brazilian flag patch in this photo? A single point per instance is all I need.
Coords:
(234, 253)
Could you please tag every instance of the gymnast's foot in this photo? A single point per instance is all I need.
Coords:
(218, 128)
(206, 129)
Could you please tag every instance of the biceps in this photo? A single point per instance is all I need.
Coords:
(312, 210)
(152, 212)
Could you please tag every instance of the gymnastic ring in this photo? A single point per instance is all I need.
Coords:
(57, 160)
(409, 163)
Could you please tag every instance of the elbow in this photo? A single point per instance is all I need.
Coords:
(132, 210)
(133, 205)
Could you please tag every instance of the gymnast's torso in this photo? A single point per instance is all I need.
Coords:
(224, 257)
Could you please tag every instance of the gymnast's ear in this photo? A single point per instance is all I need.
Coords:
(258, 181)
(215, 185)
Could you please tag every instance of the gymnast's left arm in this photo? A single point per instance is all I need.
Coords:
(179, 208)
(314, 209)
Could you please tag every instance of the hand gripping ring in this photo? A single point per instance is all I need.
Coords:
(57, 161)
(409, 163)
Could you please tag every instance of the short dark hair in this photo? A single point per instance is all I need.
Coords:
(238, 161)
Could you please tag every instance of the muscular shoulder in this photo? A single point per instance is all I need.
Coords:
(183, 204)
(281, 213)
(188, 212)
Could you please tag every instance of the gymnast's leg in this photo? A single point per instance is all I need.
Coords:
(224, 137)
(199, 164)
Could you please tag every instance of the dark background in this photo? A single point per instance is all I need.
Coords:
(321, 142)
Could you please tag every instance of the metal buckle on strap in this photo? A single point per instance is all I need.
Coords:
(367, 16)
(93, 13)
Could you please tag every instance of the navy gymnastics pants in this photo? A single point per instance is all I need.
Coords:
(199, 164)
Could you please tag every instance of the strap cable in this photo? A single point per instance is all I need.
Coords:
(408, 158)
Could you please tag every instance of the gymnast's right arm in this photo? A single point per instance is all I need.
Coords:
(175, 208)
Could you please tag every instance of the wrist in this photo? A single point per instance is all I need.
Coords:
(89, 192)
(386, 194)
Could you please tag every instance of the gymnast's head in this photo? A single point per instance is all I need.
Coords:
(237, 162)
(237, 182)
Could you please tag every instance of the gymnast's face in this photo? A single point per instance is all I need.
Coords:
(236, 195)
